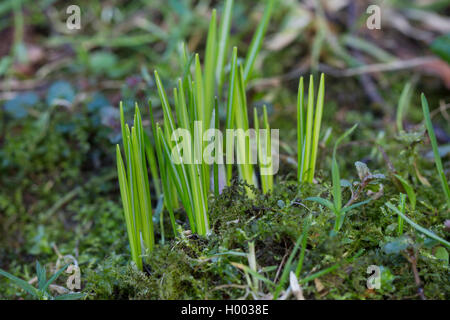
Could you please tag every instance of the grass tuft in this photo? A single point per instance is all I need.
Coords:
(308, 131)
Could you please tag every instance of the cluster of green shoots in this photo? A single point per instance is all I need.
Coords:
(196, 99)
(434, 145)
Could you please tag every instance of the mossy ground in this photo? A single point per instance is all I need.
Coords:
(59, 193)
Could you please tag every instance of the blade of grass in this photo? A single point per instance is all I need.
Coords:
(252, 263)
(329, 269)
(19, 282)
(336, 185)
(160, 213)
(287, 267)
(316, 132)
(317, 43)
(203, 115)
(71, 296)
(416, 226)
(163, 171)
(336, 191)
(309, 128)
(325, 202)
(132, 179)
(354, 206)
(342, 137)
(253, 273)
(151, 158)
(216, 149)
(224, 31)
(243, 142)
(54, 277)
(303, 248)
(142, 191)
(134, 197)
(210, 68)
(165, 104)
(300, 130)
(182, 114)
(41, 275)
(264, 182)
(268, 177)
(264, 151)
(200, 195)
(180, 181)
(402, 209)
(144, 181)
(124, 135)
(434, 145)
(409, 191)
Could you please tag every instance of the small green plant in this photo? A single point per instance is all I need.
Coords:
(41, 292)
(307, 131)
(264, 151)
(336, 206)
(434, 145)
(402, 208)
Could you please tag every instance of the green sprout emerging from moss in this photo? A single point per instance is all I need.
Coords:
(434, 145)
(336, 206)
(195, 100)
